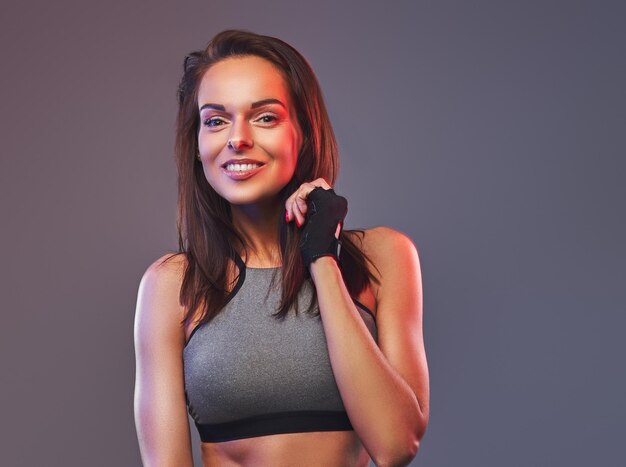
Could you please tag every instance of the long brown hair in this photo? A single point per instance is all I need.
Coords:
(206, 235)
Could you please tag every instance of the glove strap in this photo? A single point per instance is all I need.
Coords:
(334, 250)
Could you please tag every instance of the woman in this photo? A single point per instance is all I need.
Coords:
(288, 340)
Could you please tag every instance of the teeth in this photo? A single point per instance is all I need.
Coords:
(241, 167)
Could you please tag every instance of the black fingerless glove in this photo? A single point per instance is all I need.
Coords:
(325, 209)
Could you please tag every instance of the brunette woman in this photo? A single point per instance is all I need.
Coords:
(289, 340)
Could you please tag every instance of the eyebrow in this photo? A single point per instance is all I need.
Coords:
(254, 105)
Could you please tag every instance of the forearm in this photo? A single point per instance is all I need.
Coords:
(162, 429)
(382, 407)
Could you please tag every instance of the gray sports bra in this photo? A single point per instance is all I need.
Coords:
(249, 374)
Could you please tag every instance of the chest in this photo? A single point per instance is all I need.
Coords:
(247, 363)
(366, 298)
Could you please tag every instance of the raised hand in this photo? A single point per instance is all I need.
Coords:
(321, 212)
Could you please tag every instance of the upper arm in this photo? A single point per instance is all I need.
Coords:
(160, 405)
(399, 308)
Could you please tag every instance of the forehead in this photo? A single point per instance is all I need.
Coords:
(242, 80)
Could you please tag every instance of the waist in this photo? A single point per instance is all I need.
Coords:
(312, 448)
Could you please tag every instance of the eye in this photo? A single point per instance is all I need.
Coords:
(267, 118)
(213, 122)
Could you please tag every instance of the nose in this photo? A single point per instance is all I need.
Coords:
(240, 137)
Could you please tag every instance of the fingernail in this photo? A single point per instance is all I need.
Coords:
(286, 216)
(298, 222)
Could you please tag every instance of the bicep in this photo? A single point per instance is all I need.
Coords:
(160, 406)
(399, 311)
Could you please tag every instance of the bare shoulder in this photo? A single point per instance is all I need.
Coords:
(165, 274)
(170, 265)
(382, 240)
(387, 247)
(158, 304)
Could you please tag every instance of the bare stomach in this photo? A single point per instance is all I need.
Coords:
(328, 449)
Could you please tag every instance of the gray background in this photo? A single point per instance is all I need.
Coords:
(491, 132)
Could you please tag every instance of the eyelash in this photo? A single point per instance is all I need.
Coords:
(208, 122)
(273, 117)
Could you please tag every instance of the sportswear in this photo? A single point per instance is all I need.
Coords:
(249, 374)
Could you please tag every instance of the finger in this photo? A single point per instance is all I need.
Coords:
(289, 207)
(296, 205)
(300, 202)
(289, 202)
(289, 216)
(322, 182)
(338, 230)
(298, 215)
(293, 212)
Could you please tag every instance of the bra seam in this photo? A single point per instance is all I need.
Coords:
(275, 423)
(273, 415)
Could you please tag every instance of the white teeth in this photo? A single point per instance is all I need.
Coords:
(241, 167)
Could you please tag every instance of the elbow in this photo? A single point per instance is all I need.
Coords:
(400, 455)
(402, 452)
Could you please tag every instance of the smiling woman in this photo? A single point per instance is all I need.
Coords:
(247, 120)
(288, 340)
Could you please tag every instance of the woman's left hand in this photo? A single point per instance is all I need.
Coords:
(296, 207)
(323, 211)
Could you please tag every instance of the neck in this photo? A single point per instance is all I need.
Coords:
(258, 226)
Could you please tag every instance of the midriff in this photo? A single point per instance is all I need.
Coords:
(328, 449)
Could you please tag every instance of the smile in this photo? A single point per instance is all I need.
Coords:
(241, 167)
(241, 171)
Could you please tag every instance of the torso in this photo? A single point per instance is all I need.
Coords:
(331, 448)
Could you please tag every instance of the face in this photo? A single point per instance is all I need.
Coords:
(249, 137)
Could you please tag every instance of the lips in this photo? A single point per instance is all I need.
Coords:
(241, 161)
(253, 167)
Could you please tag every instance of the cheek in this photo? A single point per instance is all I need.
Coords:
(284, 144)
(209, 147)
(289, 156)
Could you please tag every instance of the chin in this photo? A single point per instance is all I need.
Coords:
(239, 199)
(250, 195)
